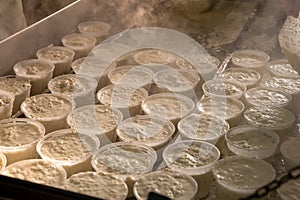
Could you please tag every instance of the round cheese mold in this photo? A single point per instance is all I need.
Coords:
(37, 171)
(71, 150)
(99, 120)
(281, 68)
(289, 190)
(131, 75)
(249, 141)
(19, 87)
(248, 58)
(97, 29)
(39, 73)
(127, 160)
(86, 67)
(77, 87)
(19, 137)
(289, 150)
(195, 158)
(170, 184)
(247, 77)
(61, 57)
(49, 109)
(145, 129)
(99, 185)
(221, 87)
(81, 44)
(6, 104)
(204, 127)
(267, 96)
(227, 108)
(237, 177)
(3, 161)
(178, 81)
(154, 56)
(277, 119)
(127, 99)
(168, 106)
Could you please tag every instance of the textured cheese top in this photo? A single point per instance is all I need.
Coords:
(168, 106)
(38, 171)
(251, 138)
(77, 40)
(282, 68)
(289, 85)
(243, 173)
(46, 106)
(99, 185)
(153, 56)
(72, 85)
(174, 185)
(176, 80)
(19, 132)
(267, 96)
(121, 96)
(290, 149)
(227, 88)
(145, 129)
(14, 85)
(223, 107)
(249, 58)
(94, 28)
(124, 159)
(269, 117)
(203, 126)
(33, 67)
(66, 145)
(247, 77)
(55, 54)
(94, 118)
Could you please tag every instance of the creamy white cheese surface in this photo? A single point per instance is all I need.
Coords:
(227, 88)
(243, 173)
(14, 85)
(124, 158)
(269, 117)
(267, 96)
(153, 56)
(33, 67)
(94, 28)
(249, 58)
(45, 106)
(282, 68)
(146, 129)
(99, 185)
(289, 85)
(36, 170)
(203, 126)
(247, 77)
(171, 184)
(78, 40)
(55, 53)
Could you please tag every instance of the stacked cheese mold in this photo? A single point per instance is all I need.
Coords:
(152, 122)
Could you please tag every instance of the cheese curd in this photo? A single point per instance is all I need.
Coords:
(247, 77)
(81, 44)
(289, 150)
(170, 184)
(145, 129)
(99, 185)
(168, 106)
(282, 68)
(249, 141)
(2, 161)
(96, 29)
(99, 120)
(19, 87)
(71, 150)
(18, 138)
(127, 99)
(153, 56)
(228, 88)
(267, 96)
(237, 177)
(61, 57)
(37, 71)
(289, 85)
(226, 108)
(177, 81)
(37, 171)
(49, 109)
